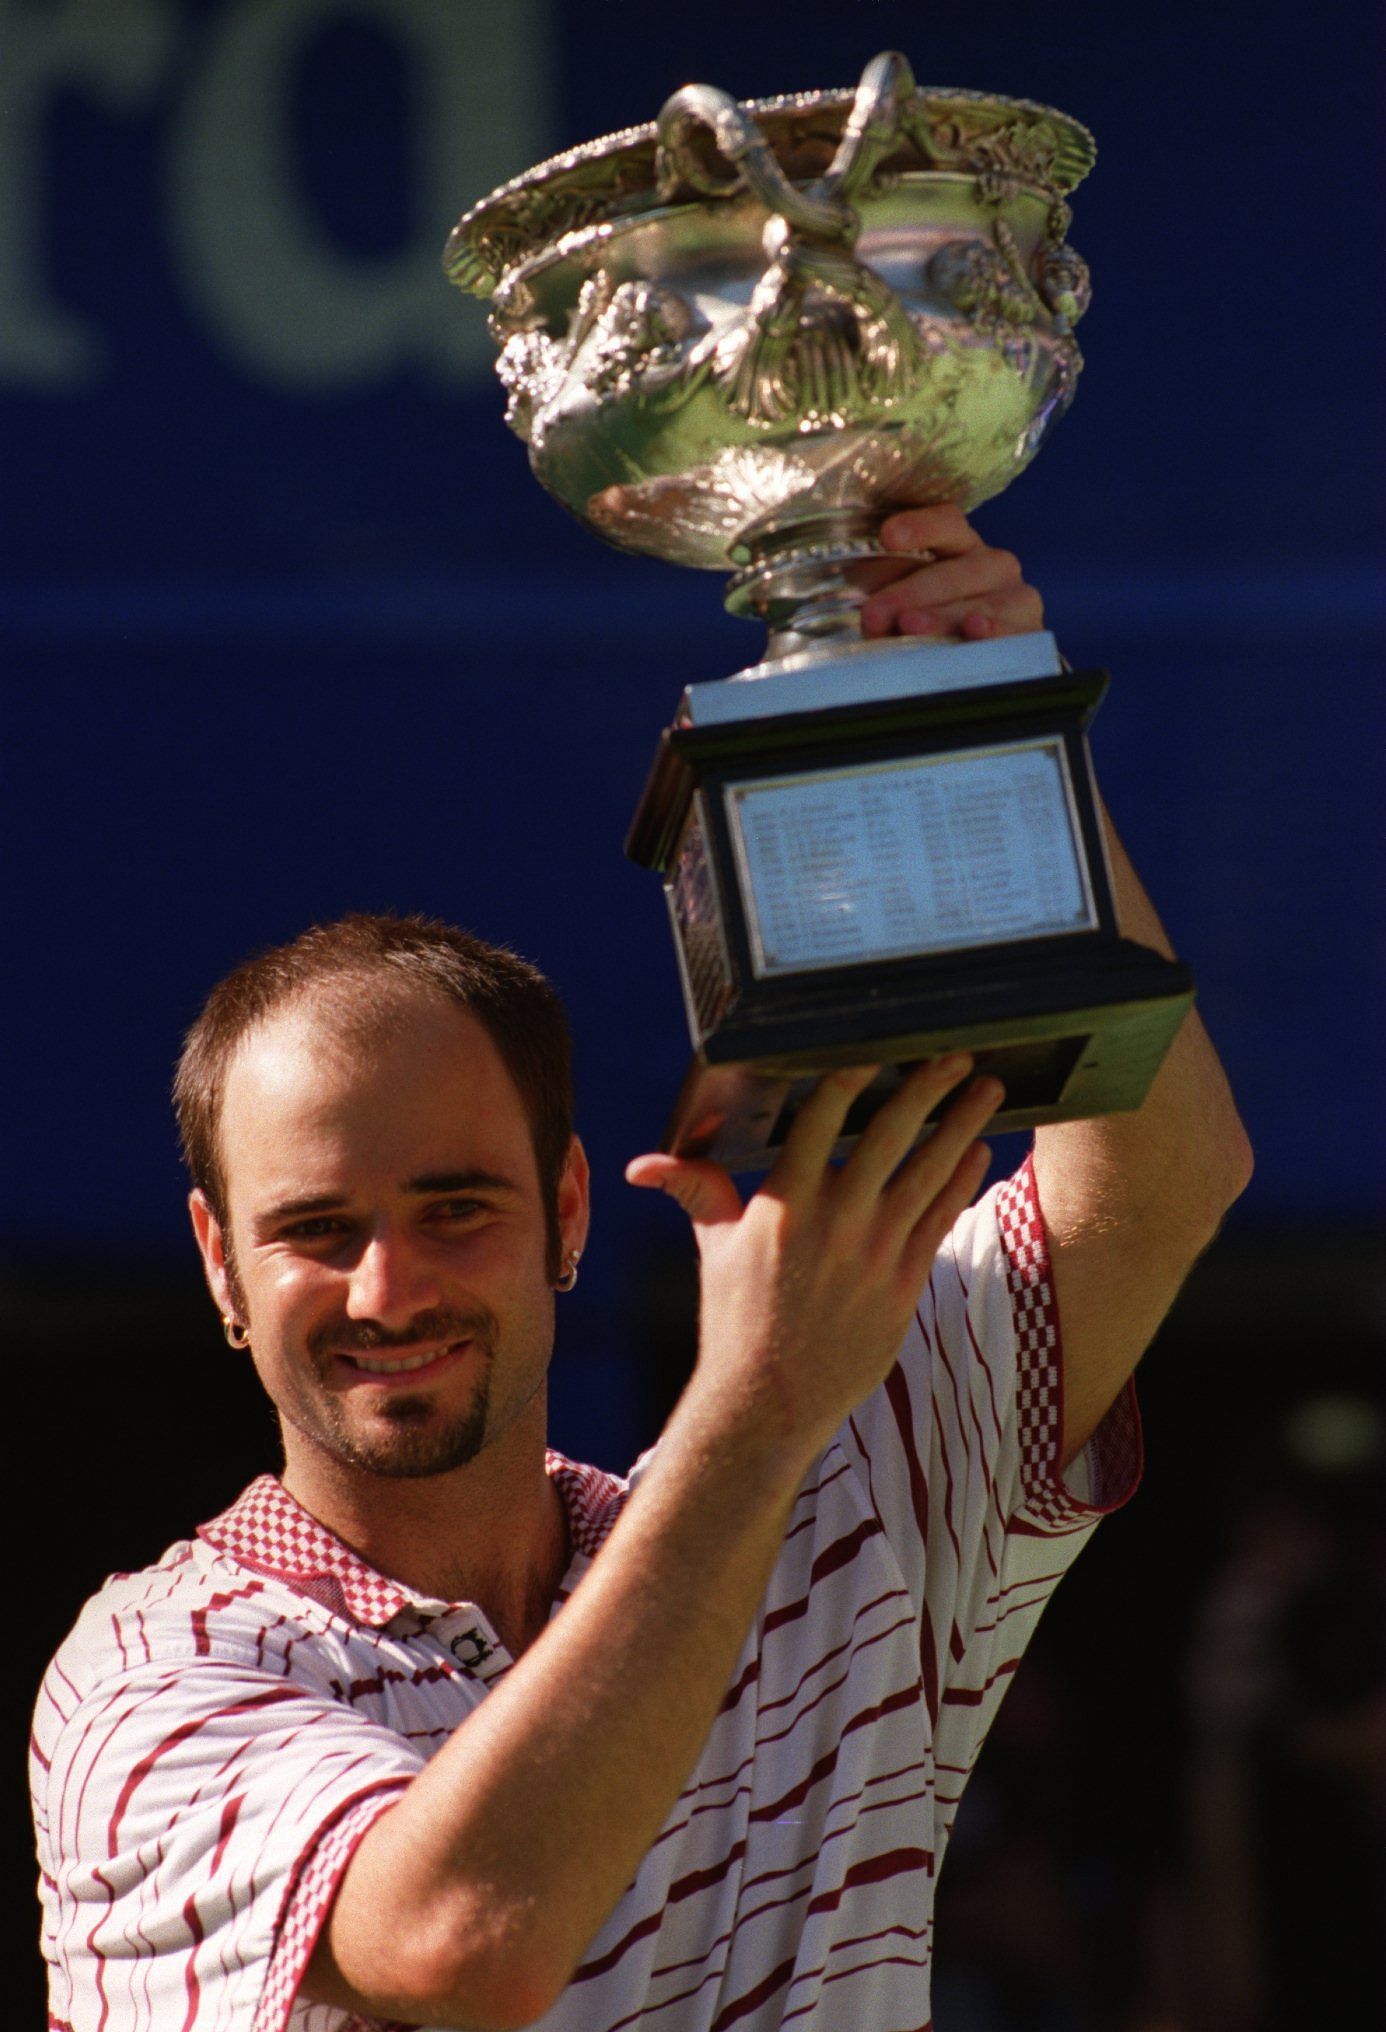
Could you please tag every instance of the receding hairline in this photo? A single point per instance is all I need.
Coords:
(358, 1004)
(352, 1025)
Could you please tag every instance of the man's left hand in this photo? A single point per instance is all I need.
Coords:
(947, 583)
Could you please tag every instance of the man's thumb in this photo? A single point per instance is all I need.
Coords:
(703, 1189)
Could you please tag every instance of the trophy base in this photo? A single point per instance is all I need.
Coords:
(1068, 1040)
(887, 854)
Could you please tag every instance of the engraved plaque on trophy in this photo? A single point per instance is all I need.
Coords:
(742, 337)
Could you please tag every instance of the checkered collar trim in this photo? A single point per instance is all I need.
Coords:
(267, 1530)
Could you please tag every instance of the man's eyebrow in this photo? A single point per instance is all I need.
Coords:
(286, 1209)
(474, 1180)
(462, 1181)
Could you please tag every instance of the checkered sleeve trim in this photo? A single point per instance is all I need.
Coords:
(307, 1902)
(1114, 1452)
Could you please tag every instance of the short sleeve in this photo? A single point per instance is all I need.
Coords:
(194, 1821)
(960, 1453)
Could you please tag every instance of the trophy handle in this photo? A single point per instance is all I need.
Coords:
(820, 208)
(736, 136)
(873, 125)
(823, 334)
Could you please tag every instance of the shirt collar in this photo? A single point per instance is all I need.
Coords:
(269, 1531)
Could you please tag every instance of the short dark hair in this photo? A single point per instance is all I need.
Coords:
(518, 1007)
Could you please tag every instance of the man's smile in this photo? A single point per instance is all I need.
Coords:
(381, 1367)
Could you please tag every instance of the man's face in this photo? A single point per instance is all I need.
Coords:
(390, 1241)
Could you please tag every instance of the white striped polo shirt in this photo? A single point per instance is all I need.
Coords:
(219, 1731)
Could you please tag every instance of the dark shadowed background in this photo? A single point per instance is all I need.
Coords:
(287, 628)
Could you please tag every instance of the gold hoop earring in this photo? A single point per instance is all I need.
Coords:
(237, 1336)
(570, 1269)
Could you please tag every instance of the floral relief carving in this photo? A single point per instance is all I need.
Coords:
(641, 333)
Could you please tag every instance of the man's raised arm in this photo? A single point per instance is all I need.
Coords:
(1131, 1201)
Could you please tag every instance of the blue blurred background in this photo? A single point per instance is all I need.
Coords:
(287, 628)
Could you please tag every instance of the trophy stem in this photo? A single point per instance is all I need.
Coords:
(799, 581)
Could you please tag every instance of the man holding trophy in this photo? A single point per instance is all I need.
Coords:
(440, 1728)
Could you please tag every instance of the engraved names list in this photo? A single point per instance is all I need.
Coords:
(914, 856)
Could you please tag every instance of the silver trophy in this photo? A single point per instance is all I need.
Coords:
(739, 339)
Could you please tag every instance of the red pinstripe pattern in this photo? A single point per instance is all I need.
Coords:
(108, 1895)
(220, 1731)
(190, 1977)
(749, 1675)
(875, 1870)
(898, 1397)
(171, 1743)
(758, 1994)
(202, 1643)
(861, 1968)
(973, 1696)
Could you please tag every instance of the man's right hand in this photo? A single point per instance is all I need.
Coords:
(808, 1289)
(472, 1900)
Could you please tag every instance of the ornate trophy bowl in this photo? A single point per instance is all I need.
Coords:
(740, 338)
(742, 335)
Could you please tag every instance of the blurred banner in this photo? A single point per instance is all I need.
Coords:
(221, 224)
(286, 626)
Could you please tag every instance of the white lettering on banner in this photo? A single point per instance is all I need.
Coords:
(278, 295)
(116, 52)
(290, 306)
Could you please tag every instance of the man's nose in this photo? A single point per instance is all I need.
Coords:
(391, 1280)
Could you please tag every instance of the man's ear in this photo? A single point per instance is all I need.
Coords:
(211, 1245)
(574, 1202)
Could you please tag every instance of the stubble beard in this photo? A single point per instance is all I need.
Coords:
(408, 1438)
(417, 1442)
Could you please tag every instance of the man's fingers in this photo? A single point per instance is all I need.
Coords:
(879, 1167)
(894, 1128)
(943, 581)
(1014, 613)
(943, 1209)
(1017, 613)
(911, 539)
(817, 1126)
(982, 574)
(869, 574)
(926, 1174)
(942, 528)
(704, 1190)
